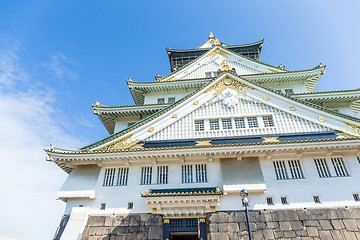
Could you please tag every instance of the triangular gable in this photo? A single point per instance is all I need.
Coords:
(212, 60)
(211, 97)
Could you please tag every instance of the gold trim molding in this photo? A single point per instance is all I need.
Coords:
(229, 83)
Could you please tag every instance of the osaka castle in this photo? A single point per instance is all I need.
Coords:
(221, 121)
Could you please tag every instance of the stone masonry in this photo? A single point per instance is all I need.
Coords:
(311, 224)
(143, 226)
(301, 224)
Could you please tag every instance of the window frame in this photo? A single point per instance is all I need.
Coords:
(145, 179)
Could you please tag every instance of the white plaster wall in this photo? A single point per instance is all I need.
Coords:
(117, 197)
(122, 123)
(334, 191)
(297, 87)
(152, 97)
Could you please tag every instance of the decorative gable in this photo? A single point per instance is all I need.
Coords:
(235, 113)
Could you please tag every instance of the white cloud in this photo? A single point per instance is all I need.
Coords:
(29, 121)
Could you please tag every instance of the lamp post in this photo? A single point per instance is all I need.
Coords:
(244, 193)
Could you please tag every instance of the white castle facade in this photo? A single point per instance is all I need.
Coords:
(220, 122)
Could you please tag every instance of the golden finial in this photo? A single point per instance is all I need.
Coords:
(97, 103)
(225, 66)
(211, 35)
(320, 65)
(216, 42)
(282, 66)
(51, 147)
(130, 79)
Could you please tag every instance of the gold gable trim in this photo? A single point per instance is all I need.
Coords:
(229, 83)
(121, 144)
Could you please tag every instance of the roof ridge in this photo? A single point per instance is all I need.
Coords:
(330, 91)
(261, 41)
(141, 105)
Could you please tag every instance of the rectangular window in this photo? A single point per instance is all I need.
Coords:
(123, 174)
(269, 201)
(214, 124)
(339, 167)
(280, 170)
(226, 123)
(146, 174)
(199, 125)
(201, 174)
(316, 199)
(171, 100)
(322, 167)
(162, 174)
(239, 122)
(295, 169)
(102, 206)
(356, 197)
(109, 177)
(130, 205)
(252, 122)
(284, 200)
(278, 90)
(268, 121)
(161, 100)
(187, 175)
(289, 91)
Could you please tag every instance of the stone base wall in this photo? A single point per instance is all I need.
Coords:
(126, 227)
(311, 224)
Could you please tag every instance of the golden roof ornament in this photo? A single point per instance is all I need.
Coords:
(211, 35)
(225, 66)
(130, 79)
(97, 103)
(216, 42)
(282, 67)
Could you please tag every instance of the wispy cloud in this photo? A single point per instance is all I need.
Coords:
(29, 121)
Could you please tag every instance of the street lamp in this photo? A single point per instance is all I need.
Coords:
(244, 193)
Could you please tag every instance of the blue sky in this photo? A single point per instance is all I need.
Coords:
(58, 57)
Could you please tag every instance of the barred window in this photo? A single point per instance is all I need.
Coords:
(130, 205)
(268, 121)
(252, 122)
(214, 124)
(322, 167)
(102, 206)
(171, 100)
(269, 201)
(123, 174)
(289, 91)
(280, 170)
(295, 169)
(162, 174)
(187, 175)
(239, 122)
(339, 167)
(356, 197)
(316, 199)
(199, 125)
(146, 175)
(109, 177)
(226, 123)
(201, 174)
(161, 100)
(284, 200)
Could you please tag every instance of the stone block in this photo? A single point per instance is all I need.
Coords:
(297, 225)
(349, 235)
(278, 234)
(272, 225)
(260, 225)
(92, 231)
(242, 226)
(337, 224)
(336, 234)
(354, 212)
(268, 234)
(233, 236)
(108, 221)
(325, 235)
(285, 226)
(350, 224)
(316, 214)
(258, 235)
(301, 233)
(220, 217)
(101, 231)
(289, 234)
(213, 228)
(233, 227)
(223, 227)
(338, 213)
(311, 223)
(284, 215)
(155, 232)
(134, 220)
(325, 225)
(312, 231)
